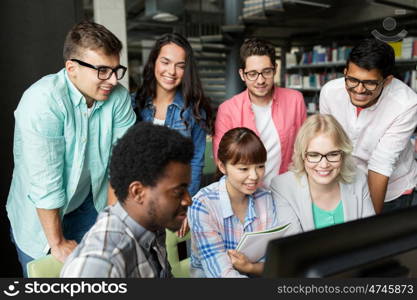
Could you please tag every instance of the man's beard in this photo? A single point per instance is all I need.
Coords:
(155, 224)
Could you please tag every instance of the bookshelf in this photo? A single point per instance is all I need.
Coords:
(308, 69)
(406, 60)
(304, 89)
(400, 61)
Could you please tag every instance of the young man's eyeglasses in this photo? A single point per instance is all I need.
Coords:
(370, 85)
(104, 72)
(315, 157)
(266, 73)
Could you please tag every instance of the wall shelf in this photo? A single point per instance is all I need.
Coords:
(304, 89)
(319, 65)
(342, 64)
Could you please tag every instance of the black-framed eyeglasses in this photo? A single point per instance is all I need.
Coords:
(104, 72)
(315, 157)
(266, 73)
(370, 85)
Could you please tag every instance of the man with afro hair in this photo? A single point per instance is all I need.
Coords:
(150, 173)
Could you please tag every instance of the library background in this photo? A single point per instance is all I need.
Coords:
(312, 40)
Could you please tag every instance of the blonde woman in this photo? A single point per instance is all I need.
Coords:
(322, 187)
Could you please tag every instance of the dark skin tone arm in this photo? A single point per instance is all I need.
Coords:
(377, 188)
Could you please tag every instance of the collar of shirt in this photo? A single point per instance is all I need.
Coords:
(226, 205)
(75, 95)
(144, 237)
(178, 100)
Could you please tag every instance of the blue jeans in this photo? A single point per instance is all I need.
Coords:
(74, 225)
(23, 258)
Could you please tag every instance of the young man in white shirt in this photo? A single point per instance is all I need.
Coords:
(379, 113)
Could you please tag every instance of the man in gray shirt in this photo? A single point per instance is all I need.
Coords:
(150, 172)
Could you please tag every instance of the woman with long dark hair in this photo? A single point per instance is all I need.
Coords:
(171, 94)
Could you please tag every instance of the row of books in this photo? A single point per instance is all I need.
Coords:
(317, 80)
(405, 49)
(410, 78)
(312, 104)
(319, 55)
(310, 81)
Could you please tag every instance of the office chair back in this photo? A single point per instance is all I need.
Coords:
(179, 267)
(44, 267)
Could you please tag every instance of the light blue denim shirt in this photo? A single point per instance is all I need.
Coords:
(194, 131)
(50, 143)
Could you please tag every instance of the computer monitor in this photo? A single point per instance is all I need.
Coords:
(378, 246)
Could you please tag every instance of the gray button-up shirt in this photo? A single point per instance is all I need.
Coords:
(118, 247)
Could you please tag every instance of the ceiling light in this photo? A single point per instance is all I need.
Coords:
(164, 17)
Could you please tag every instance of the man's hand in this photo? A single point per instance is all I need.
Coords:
(51, 223)
(63, 249)
(241, 263)
(184, 228)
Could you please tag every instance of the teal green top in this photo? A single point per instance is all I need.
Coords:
(50, 146)
(324, 218)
